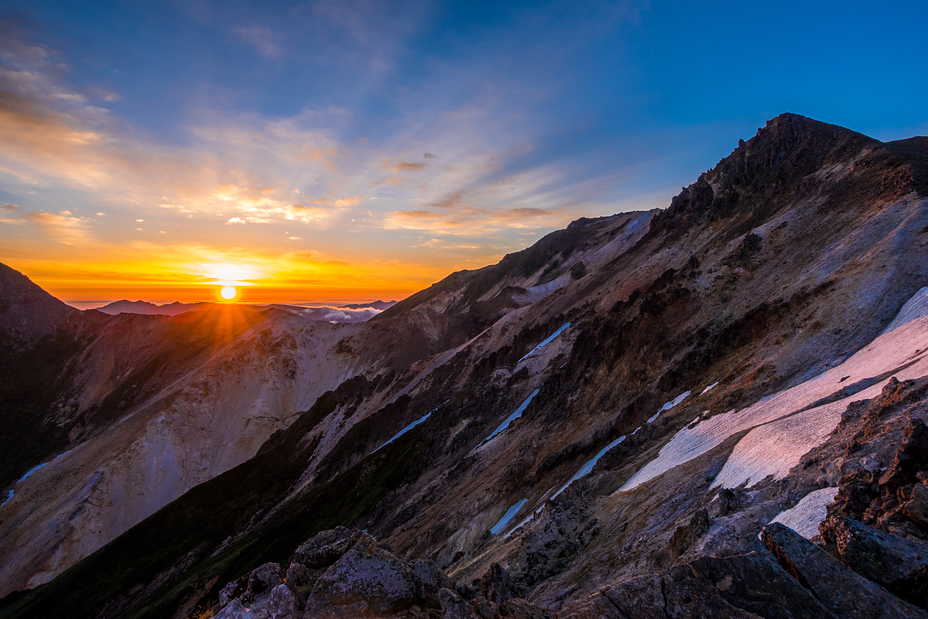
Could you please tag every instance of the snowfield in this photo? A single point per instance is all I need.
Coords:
(808, 513)
(772, 448)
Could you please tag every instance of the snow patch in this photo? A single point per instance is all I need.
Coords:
(549, 339)
(586, 468)
(407, 429)
(709, 388)
(509, 515)
(668, 405)
(515, 415)
(916, 307)
(30, 472)
(808, 513)
(889, 352)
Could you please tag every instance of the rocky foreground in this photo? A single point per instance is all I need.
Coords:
(851, 569)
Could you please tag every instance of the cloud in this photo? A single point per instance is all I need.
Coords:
(262, 39)
(236, 220)
(408, 166)
(393, 180)
(429, 156)
(469, 220)
(348, 201)
(63, 228)
(10, 207)
(451, 200)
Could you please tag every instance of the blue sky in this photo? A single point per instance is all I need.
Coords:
(393, 142)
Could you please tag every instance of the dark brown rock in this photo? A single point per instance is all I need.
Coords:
(841, 590)
(916, 508)
(687, 596)
(517, 608)
(497, 586)
(898, 564)
(429, 581)
(484, 608)
(454, 606)
(597, 606)
(367, 580)
(640, 597)
(686, 535)
(756, 583)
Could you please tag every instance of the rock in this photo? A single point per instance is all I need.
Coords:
(484, 608)
(841, 590)
(517, 608)
(916, 508)
(677, 593)
(366, 580)
(578, 271)
(756, 583)
(232, 590)
(898, 564)
(687, 595)
(234, 610)
(453, 606)
(686, 536)
(640, 597)
(429, 581)
(326, 547)
(260, 581)
(597, 606)
(281, 603)
(278, 603)
(300, 580)
(497, 586)
(729, 502)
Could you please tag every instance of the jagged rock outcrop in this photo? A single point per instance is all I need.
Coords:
(841, 590)
(896, 563)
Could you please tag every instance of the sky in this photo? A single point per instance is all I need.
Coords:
(342, 151)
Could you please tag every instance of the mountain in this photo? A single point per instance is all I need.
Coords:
(358, 312)
(598, 425)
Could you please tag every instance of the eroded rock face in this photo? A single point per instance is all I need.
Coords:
(844, 592)
(896, 563)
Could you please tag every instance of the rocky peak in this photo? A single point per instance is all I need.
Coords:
(760, 172)
(27, 311)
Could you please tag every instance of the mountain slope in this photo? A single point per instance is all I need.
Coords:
(543, 386)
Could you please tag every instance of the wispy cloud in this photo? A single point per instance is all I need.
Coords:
(262, 39)
(63, 227)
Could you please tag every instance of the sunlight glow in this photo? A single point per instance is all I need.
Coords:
(228, 292)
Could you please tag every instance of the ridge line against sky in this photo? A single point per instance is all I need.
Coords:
(342, 151)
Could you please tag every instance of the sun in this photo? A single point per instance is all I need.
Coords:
(228, 292)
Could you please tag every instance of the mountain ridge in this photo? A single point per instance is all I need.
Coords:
(598, 347)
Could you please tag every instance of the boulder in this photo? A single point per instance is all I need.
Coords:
(898, 564)
(367, 580)
(454, 606)
(326, 547)
(429, 581)
(756, 583)
(484, 608)
(278, 603)
(841, 590)
(497, 586)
